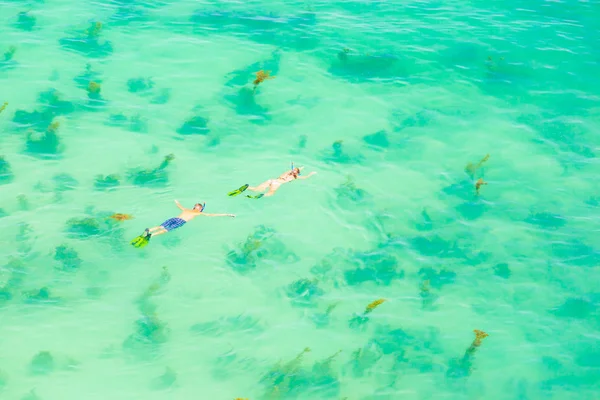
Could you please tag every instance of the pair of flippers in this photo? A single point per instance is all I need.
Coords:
(243, 189)
(142, 240)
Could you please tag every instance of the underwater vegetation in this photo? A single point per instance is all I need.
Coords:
(467, 189)
(53, 105)
(363, 359)
(97, 224)
(88, 42)
(462, 367)
(40, 296)
(378, 140)
(195, 125)
(68, 257)
(286, 380)
(428, 298)
(322, 319)
(304, 292)
(437, 277)
(135, 123)
(25, 21)
(107, 182)
(244, 103)
(377, 266)
(546, 220)
(347, 194)
(46, 144)
(42, 363)
(359, 320)
(140, 85)
(260, 245)
(240, 77)
(502, 270)
(6, 174)
(84, 227)
(149, 331)
(145, 87)
(12, 277)
(95, 100)
(240, 323)
(84, 79)
(576, 308)
(575, 252)
(156, 177)
(338, 154)
(7, 62)
(261, 76)
(355, 267)
(3, 107)
(357, 68)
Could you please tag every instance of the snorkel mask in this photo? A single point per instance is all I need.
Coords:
(293, 168)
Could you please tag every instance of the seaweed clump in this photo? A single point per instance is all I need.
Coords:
(88, 76)
(150, 332)
(7, 61)
(140, 85)
(286, 380)
(262, 244)
(337, 154)
(53, 105)
(88, 42)
(68, 257)
(196, 125)
(3, 107)
(377, 266)
(46, 144)
(463, 367)
(349, 194)
(304, 292)
(25, 21)
(358, 320)
(472, 170)
(261, 76)
(106, 182)
(6, 174)
(151, 177)
(42, 363)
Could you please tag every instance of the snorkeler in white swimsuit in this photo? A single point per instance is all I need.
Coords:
(272, 184)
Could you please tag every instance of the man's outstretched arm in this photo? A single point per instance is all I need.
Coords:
(217, 215)
(182, 208)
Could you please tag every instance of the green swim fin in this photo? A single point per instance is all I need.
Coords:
(258, 196)
(141, 241)
(238, 191)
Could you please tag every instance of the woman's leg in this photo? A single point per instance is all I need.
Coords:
(260, 188)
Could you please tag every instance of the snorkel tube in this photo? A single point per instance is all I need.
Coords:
(293, 168)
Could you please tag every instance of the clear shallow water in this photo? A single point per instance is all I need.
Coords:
(414, 98)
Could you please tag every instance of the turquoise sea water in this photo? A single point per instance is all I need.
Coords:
(388, 102)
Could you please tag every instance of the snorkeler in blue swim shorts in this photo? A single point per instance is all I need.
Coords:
(174, 223)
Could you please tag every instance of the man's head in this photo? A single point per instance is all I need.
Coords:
(199, 207)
